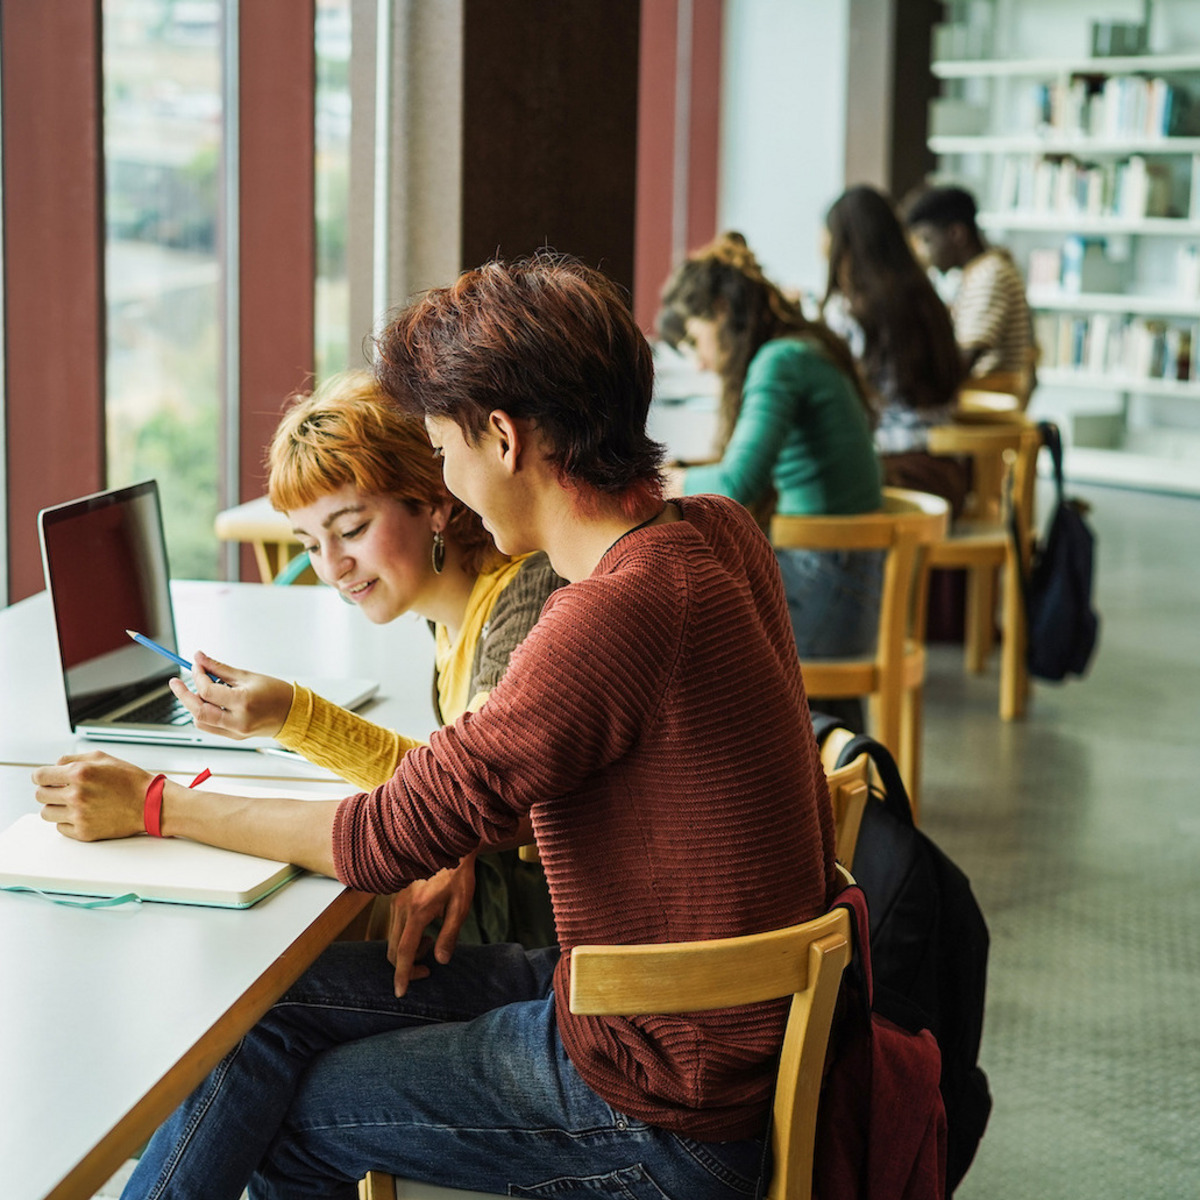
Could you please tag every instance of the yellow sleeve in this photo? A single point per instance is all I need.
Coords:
(358, 750)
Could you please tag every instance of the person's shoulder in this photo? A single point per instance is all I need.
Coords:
(994, 264)
(535, 577)
(710, 511)
(793, 358)
(787, 350)
(666, 551)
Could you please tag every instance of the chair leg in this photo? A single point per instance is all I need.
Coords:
(377, 1186)
(1014, 673)
(980, 623)
(908, 757)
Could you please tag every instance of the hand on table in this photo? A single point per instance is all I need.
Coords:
(91, 797)
(242, 705)
(448, 895)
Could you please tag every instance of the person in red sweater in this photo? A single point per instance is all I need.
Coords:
(651, 730)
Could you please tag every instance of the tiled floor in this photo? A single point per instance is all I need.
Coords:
(1080, 830)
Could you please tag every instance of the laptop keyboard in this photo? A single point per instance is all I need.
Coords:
(161, 710)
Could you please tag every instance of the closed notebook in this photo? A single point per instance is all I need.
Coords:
(34, 856)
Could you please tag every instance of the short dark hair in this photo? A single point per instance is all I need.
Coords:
(546, 339)
(942, 207)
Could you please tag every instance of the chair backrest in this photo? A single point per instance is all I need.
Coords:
(293, 570)
(848, 789)
(1019, 383)
(986, 446)
(907, 522)
(803, 961)
(984, 404)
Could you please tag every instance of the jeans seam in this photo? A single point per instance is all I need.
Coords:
(172, 1163)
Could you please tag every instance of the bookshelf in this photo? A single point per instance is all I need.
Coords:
(1087, 167)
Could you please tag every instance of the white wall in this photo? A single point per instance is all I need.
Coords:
(783, 129)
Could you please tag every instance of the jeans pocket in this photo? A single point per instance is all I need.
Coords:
(629, 1183)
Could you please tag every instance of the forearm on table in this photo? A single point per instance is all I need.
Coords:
(295, 831)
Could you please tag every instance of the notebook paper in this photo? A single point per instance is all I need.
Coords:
(35, 856)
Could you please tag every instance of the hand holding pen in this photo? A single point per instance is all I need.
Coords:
(243, 704)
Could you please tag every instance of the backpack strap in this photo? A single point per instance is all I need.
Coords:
(823, 725)
(1052, 440)
(895, 794)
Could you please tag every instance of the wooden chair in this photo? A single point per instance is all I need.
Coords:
(975, 406)
(1019, 383)
(848, 788)
(906, 527)
(803, 961)
(1004, 462)
(269, 532)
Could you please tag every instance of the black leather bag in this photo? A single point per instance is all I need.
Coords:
(929, 944)
(1062, 624)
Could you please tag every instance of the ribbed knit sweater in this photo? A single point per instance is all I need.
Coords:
(653, 724)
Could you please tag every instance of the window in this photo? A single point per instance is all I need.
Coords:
(332, 177)
(162, 146)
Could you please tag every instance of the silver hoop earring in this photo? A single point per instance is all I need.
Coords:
(439, 553)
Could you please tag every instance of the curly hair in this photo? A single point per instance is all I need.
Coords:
(723, 282)
(347, 432)
(545, 339)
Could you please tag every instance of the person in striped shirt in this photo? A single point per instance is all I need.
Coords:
(990, 312)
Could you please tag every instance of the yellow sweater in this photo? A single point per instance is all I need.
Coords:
(367, 754)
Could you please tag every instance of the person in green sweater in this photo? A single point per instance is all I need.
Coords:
(363, 490)
(795, 433)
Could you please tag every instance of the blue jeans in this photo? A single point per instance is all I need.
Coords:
(462, 1082)
(833, 599)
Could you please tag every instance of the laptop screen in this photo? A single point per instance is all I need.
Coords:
(105, 561)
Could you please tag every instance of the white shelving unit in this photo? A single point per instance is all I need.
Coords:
(1084, 147)
(1048, 145)
(1062, 223)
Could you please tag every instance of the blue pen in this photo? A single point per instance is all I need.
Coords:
(175, 658)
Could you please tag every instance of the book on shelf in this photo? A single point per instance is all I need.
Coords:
(1045, 268)
(1062, 184)
(1086, 267)
(1187, 271)
(1125, 347)
(1122, 107)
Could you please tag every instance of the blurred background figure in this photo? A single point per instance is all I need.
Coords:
(795, 432)
(991, 314)
(878, 296)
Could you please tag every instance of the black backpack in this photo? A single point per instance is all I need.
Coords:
(1062, 625)
(929, 944)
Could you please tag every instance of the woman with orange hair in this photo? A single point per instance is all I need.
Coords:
(363, 490)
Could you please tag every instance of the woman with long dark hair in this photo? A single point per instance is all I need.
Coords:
(795, 431)
(901, 333)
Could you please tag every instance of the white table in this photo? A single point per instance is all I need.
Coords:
(110, 1017)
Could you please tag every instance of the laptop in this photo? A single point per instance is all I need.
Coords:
(105, 560)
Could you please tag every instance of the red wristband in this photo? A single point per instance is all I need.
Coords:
(152, 809)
